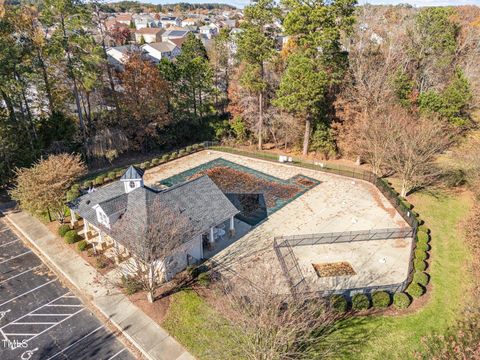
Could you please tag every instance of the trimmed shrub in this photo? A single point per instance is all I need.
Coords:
(188, 149)
(203, 279)
(63, 229)
(130, 285)
(99, 180)
(87, 184)
(360, 302)
(423, 246)
(82, 245)
(420, 278)
(195, 146)
(112, 175)
(415, 290)
(101, 262)
(401, 300)
(419, 265)
(201, 145)
(72, 194)
(339, 303)
(423, 228)
(380, 299)
(165, 158)
(156, 161)
(181, 152)
(420, 254)
(75, 187)
(173, 155)
(119, 173)
(423, 237)
(71, 237)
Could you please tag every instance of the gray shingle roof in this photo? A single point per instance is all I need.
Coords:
(200, 200)
(132, 173)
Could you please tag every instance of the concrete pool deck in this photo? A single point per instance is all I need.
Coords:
(337, 204)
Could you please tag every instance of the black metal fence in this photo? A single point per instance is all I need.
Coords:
(284, 251)
(342, 237)
(382, 185)
(290, 268)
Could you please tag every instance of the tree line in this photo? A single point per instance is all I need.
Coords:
(389, 86)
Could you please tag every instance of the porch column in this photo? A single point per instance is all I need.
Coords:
(100, 239)
(85, 229)
(231, 231)
(73, 218)
(117, 253)
(212, 237)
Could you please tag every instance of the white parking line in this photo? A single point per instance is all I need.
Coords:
(14, 257)
(33, 323)
(118, 353)
(10, 242)
(76, 342)
(28, 292)
(64, 305)
(58, 323)
(24, 272)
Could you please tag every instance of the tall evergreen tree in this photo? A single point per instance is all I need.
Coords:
(256, 46)
(316, 27)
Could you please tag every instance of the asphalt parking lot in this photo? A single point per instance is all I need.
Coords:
(40, 318)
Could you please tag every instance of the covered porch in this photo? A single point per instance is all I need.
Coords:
(223, 235)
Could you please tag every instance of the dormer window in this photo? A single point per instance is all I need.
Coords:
(132, 184)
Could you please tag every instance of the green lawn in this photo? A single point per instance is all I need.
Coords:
(399, 337)
(194, 324)
(199, 328)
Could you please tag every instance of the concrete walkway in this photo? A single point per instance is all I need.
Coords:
(151, 339)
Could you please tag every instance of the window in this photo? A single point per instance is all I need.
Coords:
(132, 184)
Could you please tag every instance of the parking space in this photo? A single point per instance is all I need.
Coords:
(40, 318)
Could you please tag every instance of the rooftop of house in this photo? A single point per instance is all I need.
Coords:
(200, 200)
(152, 31)
(123, 17)
(162, 46)
(175, 33)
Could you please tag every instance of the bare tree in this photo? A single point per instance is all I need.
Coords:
(154, 247)
(413, 145)
(268, 326)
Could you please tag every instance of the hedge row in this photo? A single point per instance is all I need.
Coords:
(377, 300)
(114, 175)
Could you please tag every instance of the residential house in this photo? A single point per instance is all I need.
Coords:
(149, 35)
(206, 31)
(144, 21)
(125, 209)
(161, 50)
(170, 21)
(174, 34)
(189, 22)
(118, 55)
(124, 18)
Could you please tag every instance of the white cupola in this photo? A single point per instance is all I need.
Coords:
(132, 179)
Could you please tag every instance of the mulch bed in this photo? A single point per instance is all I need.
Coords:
(334, 269)
(233, 181)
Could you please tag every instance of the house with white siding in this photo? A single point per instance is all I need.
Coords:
(122, 211)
